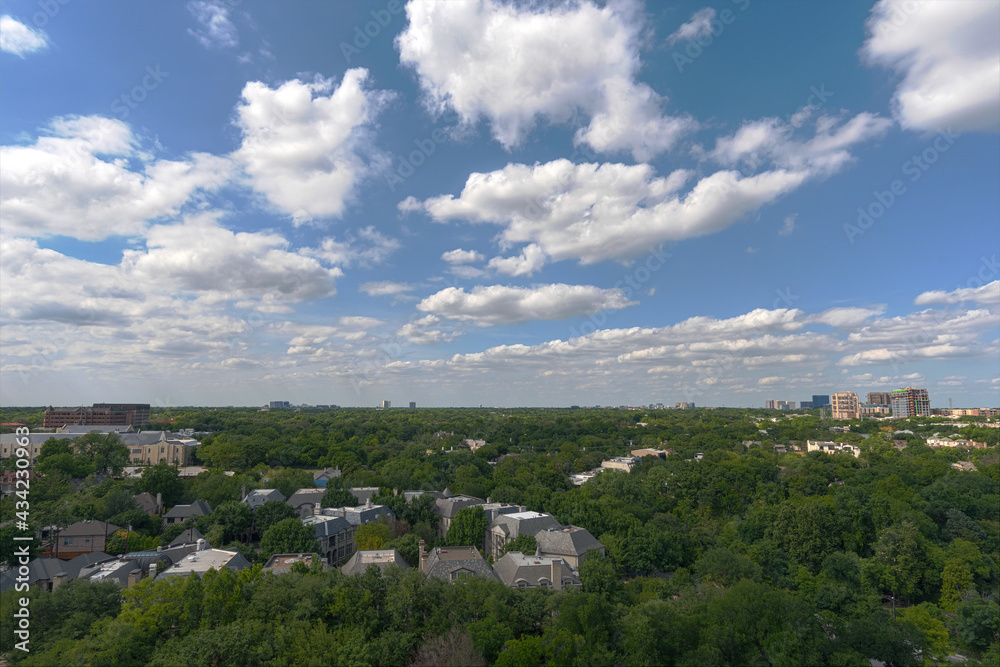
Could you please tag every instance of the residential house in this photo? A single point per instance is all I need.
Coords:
(321, 477)
(190, 536)
(364, 493)
(203, 559)
(126, 573)
(964, 466)
(83, 537)
(474, 444)
(335, 536)
(518, 570)
(282, 563)
(148, 504)
(181, 513)
(659, 453)
(571, 543)
(448, 506)
(508, 527)
(46, 573)
(9, 479)
(452, 563)
(382, 559)
(258, 497)
(828, 447)
(306, 501)
(625, 463)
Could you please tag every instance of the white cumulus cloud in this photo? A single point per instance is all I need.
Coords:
(948, 56)
(518, 65)
(19, 39)
(499, 305)
(306, 145)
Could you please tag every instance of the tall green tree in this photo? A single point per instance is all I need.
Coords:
(468, 528)
(288, 536)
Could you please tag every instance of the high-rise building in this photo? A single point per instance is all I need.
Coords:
(880, 397)
(821, 400)
(100, 414)
(844, 405)
(280, 404)
(413, 404)
(806, 405)
(910, 402)
(386, 404)
(770, 404)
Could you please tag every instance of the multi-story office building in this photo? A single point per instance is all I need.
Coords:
(100, 414)
(413, 404)
(880, 397)
(844, 405)
(805, 405)
(821, 400)
(280, 404)
(386, 404)
(910, 402)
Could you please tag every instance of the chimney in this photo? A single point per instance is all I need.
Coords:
(152, 571)
(556, 574)
(159, 502)
(133, 577)
(423, 556)
(58, 580)
(316, 508)
(489, 500)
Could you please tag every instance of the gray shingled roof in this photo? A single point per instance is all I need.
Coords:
(190, 535)
(525, 523)
(86, 528)
(305, 496)
(197, 508)
(449, 506)
(146, 502)
(515, 566)
(442, 561)
(568, 541)
(331, 526)
(44, 569)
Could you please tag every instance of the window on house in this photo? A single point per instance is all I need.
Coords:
(67, 541)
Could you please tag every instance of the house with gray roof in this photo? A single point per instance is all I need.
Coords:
(570, 543)
(364, 493)
(519, 570)
(507, 527)
(258, 497)
(335, 536)
(306, 501)
(452, 563)
(360, 561)
(181, 513)
(148, 504)
(44, 572)
(191, 535)
(448, 506)
(202, 559)
(125, 573)
(322, 477)
(83, 537)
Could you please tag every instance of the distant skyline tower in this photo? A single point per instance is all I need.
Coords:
(910, 402)
(413, 404)
(386, 404)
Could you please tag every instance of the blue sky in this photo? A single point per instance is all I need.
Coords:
(499, 203)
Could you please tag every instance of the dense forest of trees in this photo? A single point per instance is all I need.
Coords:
(745, 557)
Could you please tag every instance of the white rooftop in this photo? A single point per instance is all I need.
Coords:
(525, 515)
(200, 561)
